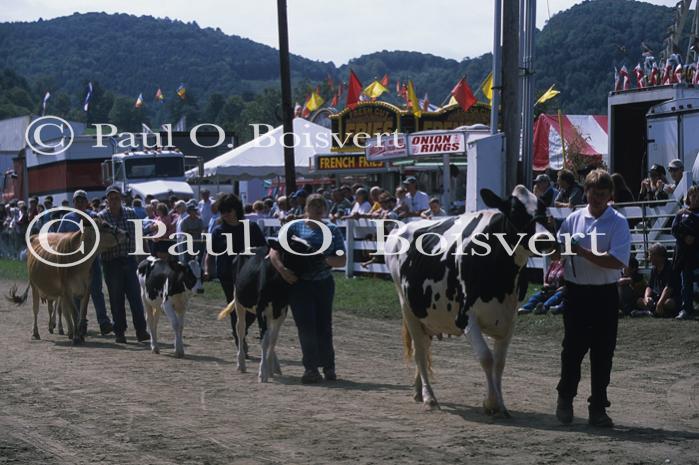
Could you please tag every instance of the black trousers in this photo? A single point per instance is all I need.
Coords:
(590, 322)
(311, 304)
(228, 287)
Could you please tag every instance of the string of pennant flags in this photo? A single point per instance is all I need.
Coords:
(159, 97)
(650, 74)
(461, 94)
(355, 92)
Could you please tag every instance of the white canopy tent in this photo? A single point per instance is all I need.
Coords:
(264, 156)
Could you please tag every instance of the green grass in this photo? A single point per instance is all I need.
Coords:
(13, 270)
(361, 296)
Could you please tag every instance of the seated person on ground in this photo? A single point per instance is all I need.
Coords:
(550, 297)
(662, 293)
(632, 287)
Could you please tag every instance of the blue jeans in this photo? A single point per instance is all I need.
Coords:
(122, 283)
(96, 294)
(311, 304)
(547, 297)
(688, 279)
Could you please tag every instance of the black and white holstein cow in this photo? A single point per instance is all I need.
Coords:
(166, 286)
(470, 283)
(261, 290)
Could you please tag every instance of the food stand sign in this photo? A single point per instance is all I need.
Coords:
(436, 143)
(354, 127)
(389, 147)
(346, 162)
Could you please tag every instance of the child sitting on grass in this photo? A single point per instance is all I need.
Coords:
(550, 297)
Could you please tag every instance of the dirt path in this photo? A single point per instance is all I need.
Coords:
(108, 403)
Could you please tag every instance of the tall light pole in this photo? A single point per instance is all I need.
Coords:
(287, 110)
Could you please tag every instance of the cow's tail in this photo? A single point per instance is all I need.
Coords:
(230, 308)
(17, 299)
(407, 342)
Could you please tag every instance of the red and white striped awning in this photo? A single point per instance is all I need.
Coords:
(587, 133)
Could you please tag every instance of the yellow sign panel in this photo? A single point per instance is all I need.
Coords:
(347, 162)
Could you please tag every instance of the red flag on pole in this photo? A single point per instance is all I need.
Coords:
(384, 80)
(354, 90)
(624, 75)
(463, 95)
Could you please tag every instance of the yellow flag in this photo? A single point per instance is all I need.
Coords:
(548, 95)
(314, 101)
(412, 98)
(374, 90)
(487, 87)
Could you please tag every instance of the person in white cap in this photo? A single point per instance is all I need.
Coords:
(676, 170)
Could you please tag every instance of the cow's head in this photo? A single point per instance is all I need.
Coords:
(190, 274)
(109, 235)
(298, 256)
(525, 213)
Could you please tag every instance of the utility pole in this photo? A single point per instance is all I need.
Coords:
(528, 23)
(511, 110)
(287, 110)
(497, 68)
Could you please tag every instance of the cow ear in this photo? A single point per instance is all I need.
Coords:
(492, 200)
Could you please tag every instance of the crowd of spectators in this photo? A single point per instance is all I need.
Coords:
(669, 290)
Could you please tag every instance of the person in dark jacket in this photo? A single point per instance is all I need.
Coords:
(228, 243)
(685, 228)
(570, 192)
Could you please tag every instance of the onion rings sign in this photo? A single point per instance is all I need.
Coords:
(436, 144)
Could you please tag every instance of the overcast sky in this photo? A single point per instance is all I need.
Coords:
(335, 30)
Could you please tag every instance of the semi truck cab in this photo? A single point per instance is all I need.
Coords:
(159, 173)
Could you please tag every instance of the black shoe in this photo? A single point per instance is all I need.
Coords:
(120, 338)
(564, 410)
(106, 328)
(142, 336)
(329, 374)
(311, 377)
(600, 419)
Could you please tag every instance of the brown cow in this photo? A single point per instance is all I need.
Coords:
(70, 282)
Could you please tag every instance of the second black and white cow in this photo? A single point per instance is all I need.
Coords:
(166, 286)
(458, 277)
(260, 289)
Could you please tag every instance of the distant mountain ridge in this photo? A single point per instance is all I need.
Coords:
(576, 50)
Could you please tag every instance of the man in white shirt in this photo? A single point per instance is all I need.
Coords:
(416, 200)
(599, 239)
(205, 206)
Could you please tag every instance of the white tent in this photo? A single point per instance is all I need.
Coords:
(264, 156)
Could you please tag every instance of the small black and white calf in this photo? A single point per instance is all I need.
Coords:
(448, 284)
(261, 290)
(166, 286)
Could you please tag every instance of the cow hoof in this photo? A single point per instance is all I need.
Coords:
(417, 397)
(61, 332)
(77, 341)
(179, 354)
(50, 330)
(155, 350)
(503, 414)
(264, 379)
(432, 405)
(277, 371)
(36, 337)
(242, 370)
